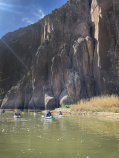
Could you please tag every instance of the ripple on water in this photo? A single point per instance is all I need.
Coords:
(77, 137)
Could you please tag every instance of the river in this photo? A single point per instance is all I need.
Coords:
(67, 137)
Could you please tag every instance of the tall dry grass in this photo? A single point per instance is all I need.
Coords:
(98, 104)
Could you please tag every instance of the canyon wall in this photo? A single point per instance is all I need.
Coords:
(69, 55)
(105, 19)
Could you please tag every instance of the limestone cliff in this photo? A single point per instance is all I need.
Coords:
(105, 19)
(70, 54)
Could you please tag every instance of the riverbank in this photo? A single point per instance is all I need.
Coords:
(68, 111)
(100, 106)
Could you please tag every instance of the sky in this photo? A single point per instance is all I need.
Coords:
(15, 14)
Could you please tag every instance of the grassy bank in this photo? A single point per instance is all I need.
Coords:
(98, 104)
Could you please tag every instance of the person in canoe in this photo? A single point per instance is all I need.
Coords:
(17, 113)
(48, 114)
(3, 111)
(35, 112)
(60, 113)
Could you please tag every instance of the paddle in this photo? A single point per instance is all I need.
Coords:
(16, 111)
(54, 111)
(58, 114)
(31, 113)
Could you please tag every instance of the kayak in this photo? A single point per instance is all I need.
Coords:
(59, 116)
(48, 117)
(17, 116)
(34, 113)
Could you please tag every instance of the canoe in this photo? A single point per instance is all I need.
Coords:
(17, 116)
(34, 113)
(59, 116)
(48, 117)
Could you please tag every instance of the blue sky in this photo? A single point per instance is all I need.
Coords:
(15, 14)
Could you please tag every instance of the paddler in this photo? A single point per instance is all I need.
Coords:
(48, 113)
(60, 113)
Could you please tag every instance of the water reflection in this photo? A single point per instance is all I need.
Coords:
(70, 137)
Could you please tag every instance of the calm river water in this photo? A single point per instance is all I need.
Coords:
(67, 137)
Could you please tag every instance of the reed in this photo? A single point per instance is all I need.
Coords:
(98, 104)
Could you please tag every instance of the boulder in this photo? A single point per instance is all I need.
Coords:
(13, 99)
(64, 98)
(50, 102)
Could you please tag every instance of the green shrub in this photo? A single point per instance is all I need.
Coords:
(67, 106)
(2, 91)
(28, 73)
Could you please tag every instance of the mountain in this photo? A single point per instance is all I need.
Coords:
(70, 54)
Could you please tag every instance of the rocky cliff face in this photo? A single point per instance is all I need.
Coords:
(70, 54)
(105, 19)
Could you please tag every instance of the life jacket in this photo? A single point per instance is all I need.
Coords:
(48, 114)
